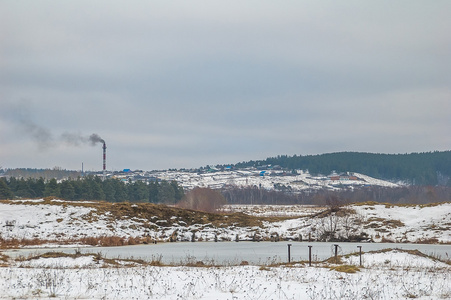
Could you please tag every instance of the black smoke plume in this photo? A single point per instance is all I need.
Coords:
(19, 113)
(75, 139)
(41, 135)
(95, 138)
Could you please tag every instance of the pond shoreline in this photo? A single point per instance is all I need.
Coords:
(233, 252)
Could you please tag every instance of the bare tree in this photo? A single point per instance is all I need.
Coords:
(203, 199)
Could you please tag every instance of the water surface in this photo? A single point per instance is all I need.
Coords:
(236, 252)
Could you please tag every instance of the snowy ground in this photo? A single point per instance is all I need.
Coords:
(266, 179)
(407, 223)
(393, 274)
(387, 275)
(273, 210)
(60, 221)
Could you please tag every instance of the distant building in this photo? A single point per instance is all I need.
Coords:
(342, 177)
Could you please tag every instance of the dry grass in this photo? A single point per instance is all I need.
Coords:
(3, 257)
(387, 240)
(127, 262)
(391, 205)
(375, 222)
(393, 223)
(197, 264)
(346, 269)
(334, 260)
(17, 243)
(4, 260)
(51, 255)
(103, 241)
(369, 203)
(427, 241)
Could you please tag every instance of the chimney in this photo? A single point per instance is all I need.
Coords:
(104, 160)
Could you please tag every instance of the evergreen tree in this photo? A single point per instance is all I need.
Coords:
(12, 184)
(77, 184)
(5, 191)
(37, 186)
(96, 187)
(110, 193)
(178, 190)
(52, 188)
(138, 192)
(23, 190)
(166, 193)
(153, 191)
(67, 190)
(120, 190)
(86, 188)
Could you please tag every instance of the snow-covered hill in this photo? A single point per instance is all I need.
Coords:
(270, 179)
(65, 222)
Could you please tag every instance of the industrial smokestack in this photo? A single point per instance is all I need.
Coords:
(104, 160)
(94, 139)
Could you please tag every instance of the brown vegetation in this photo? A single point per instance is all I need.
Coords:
(103, 241)
(346, 268)
(3, 260)
(123, 262)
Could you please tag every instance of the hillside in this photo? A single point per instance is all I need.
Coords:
(428, 168)
(169, 187)
(101, 223)
(269, 179)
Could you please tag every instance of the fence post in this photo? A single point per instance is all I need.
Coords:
(289, 253)
(360, 252)
(336, 253)
(310, 256)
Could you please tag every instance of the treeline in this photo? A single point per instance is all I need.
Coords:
(428, 168)
(92, 188)
(57, 173)
(255, 195)
(399, 195)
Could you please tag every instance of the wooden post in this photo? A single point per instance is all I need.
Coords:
(360, 252)
(310, 256)
(336, 253)
(289, 253)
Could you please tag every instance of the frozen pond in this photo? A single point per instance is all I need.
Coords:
(235, 252)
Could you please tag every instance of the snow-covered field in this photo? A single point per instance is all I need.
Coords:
(388, 275)
(61, 221)
(394, 274)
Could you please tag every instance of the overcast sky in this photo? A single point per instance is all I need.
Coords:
(181, 84)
